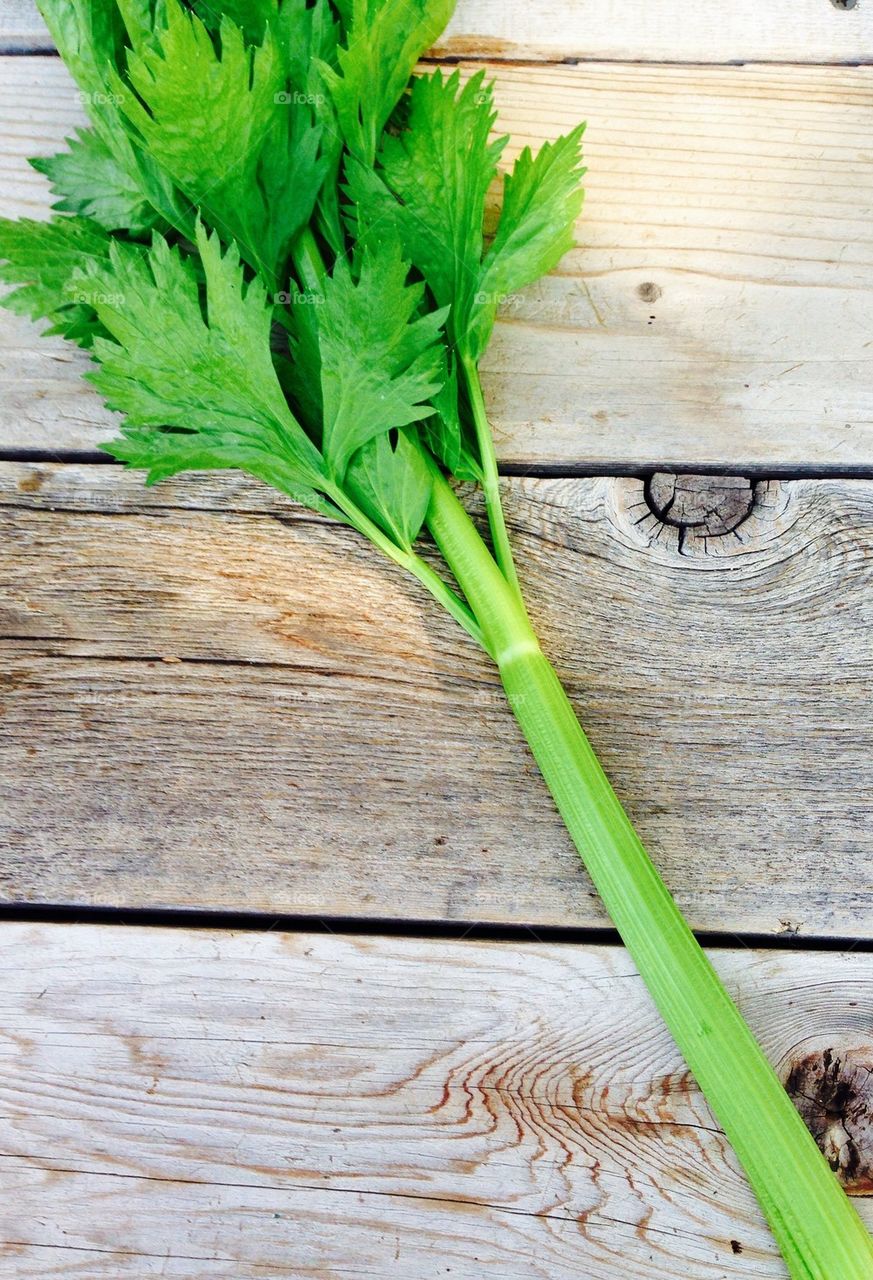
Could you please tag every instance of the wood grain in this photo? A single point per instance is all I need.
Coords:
(212, 699)
(657, 30)
(189, 1103)
(716, 313)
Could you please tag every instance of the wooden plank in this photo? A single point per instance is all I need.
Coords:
(658, 31)
(21, 27)
(304, 1105)
(717, 312)
(319, 739)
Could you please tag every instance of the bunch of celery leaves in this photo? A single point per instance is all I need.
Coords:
(271, 239)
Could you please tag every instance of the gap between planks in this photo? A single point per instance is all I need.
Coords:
(521, 933)
(608, 469)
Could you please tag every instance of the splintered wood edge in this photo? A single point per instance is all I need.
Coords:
(284, 1103)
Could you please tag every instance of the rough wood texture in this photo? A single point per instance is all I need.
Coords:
(190, 1104)
(833, 1090)
(318, 739)
(716, 313)
(707, 506)
(649, 30)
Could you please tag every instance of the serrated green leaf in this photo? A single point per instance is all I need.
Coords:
(372, 211)
(251, 16)
(197, 390)
(391, 481)
(91, 37)
(223, 124)
(381, 360)
(303, 31)
(542, 198)
(90, 182)
(439, 168)
(444, 433)
(384, 40)
(308, 36)
(141, 18)
(207, 110)
(43, 257)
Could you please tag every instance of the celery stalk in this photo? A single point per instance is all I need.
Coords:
(369, 389)
(815, 1224)
(490, 476)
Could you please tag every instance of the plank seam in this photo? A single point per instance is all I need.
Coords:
(755, 472)
(180, 918)
(486, 59)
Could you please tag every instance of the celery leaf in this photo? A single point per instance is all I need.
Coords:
(381, 360)
(91, 38)
(431, 184)
(221, 122)
(391, 481)
(197, 390)
(90, 182)
(384, 40)
(439, 169)
(542, 198)
(43, 257)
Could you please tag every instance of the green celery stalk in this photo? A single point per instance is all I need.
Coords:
(815, 1224)
(490, 476)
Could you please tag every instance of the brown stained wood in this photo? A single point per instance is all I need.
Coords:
(717, 310)
(833, 1091)
(211, 699)
(242, 1105)
(659, 30)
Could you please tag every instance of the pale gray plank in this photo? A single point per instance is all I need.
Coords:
(717, 312)
(658, 30)
(199, 1103)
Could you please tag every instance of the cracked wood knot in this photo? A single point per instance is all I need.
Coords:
(833, 1091)
(709, 506)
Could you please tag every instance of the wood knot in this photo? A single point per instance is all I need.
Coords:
(711, 505)
(696, 509)
(699, 516)
(833, 1091)
(649, 291)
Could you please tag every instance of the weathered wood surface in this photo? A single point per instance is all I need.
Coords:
(648, 30)
(189, 1103)
(318, 739)
(717, 311)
